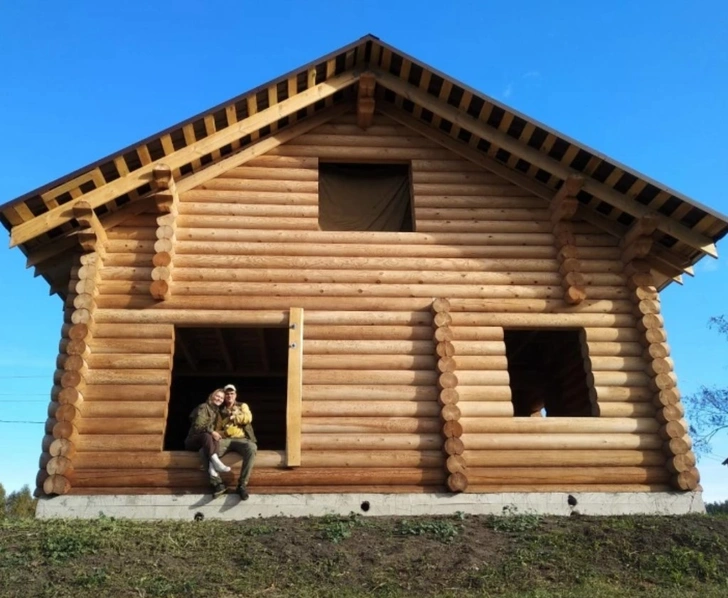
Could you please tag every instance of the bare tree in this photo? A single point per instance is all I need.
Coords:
(709, 406)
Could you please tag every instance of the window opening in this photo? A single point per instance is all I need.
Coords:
(365, 197)
(547, 373)
(254, 359)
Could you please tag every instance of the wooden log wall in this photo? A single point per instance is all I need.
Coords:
(247, 248)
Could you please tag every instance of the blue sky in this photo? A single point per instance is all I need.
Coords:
(644, 83)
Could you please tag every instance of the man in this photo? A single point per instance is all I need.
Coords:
(238, 436)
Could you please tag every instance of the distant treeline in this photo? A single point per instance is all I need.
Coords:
(18, 504)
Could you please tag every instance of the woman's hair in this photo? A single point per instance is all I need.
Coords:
(213, 393)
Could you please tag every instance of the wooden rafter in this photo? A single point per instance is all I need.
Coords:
(187, 353)
(504, 141)
(224, 349)
(64, 213)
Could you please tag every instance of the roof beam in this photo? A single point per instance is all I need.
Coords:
(92, 236)
(537, 158)
(64, 213)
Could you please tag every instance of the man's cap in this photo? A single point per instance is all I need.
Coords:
(230, 387)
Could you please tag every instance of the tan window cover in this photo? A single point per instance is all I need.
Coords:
(364, 197)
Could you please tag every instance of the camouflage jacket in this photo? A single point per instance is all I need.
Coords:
(205, 418)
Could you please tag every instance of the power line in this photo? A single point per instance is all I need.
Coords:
(18, 421)
(48, 376)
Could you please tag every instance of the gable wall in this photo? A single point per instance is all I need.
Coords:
(248, 240)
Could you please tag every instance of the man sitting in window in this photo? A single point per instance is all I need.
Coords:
(238, 436)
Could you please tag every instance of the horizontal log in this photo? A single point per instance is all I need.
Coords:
(480, 362)
(220, 252)
(56, 485)
(337, 409)
(249, 222)
(505, 198)
(192, 212)
(386, 442)
(569, 441)
(572, 475)
(564, 458)
(368, 362)
(382, 392)
(139, 345)
(127, 392)
(615, 349)
(120, 425)
(563, 488)
(136, 334)
(478, 348)
(124, 409)
(366, 334)
(570, 319)
(518, 304)
(129, 377)
(119, 442)
(62, 447)
(176, 478)
(361, 347)
(369, 425)
(202, 487)
(486, 409)
(615, 364)
(626, 410)
(59, 466)
(618, 379)
(560, 425)
(355, 377)
(141, 361)
(611, 335)
(637, 394)
(484, 393)
(483, 378)
(264, 459)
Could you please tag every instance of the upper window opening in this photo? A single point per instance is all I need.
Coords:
(547, 373)
(365, 197)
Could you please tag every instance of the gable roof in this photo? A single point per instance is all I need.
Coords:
(510, 144)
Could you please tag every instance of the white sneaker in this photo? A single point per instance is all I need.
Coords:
(218, 465)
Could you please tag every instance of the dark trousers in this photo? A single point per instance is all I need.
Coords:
(203, 442)
(247, 449)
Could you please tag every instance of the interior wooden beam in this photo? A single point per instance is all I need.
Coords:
(365, 100)
(541, 160)
(64, 213)
(263, 349)
(224, 349)
(189, 357)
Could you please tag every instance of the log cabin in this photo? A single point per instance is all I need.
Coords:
(415, 288)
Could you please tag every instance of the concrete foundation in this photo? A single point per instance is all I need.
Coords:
(191, 506)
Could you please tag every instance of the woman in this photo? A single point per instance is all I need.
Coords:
(203, 434)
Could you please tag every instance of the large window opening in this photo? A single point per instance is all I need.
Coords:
(547, 373)
(255, 360)
(365, 197)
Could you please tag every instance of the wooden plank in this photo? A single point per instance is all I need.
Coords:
(62, 214)
(295, 387)
(607, 194)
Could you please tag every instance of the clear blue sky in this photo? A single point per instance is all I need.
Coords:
(643, 82)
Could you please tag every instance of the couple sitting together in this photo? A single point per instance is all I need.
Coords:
(219, 425)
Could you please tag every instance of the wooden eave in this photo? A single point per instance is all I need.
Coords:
(511, 144)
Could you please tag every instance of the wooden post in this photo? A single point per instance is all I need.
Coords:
(452, 429)
(295, 387)
(167, 200)
(563, 207)
(365, 100)
(635, 246)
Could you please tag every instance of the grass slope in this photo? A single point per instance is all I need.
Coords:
(517, 555)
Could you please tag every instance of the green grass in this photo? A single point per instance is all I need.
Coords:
(461, 556)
